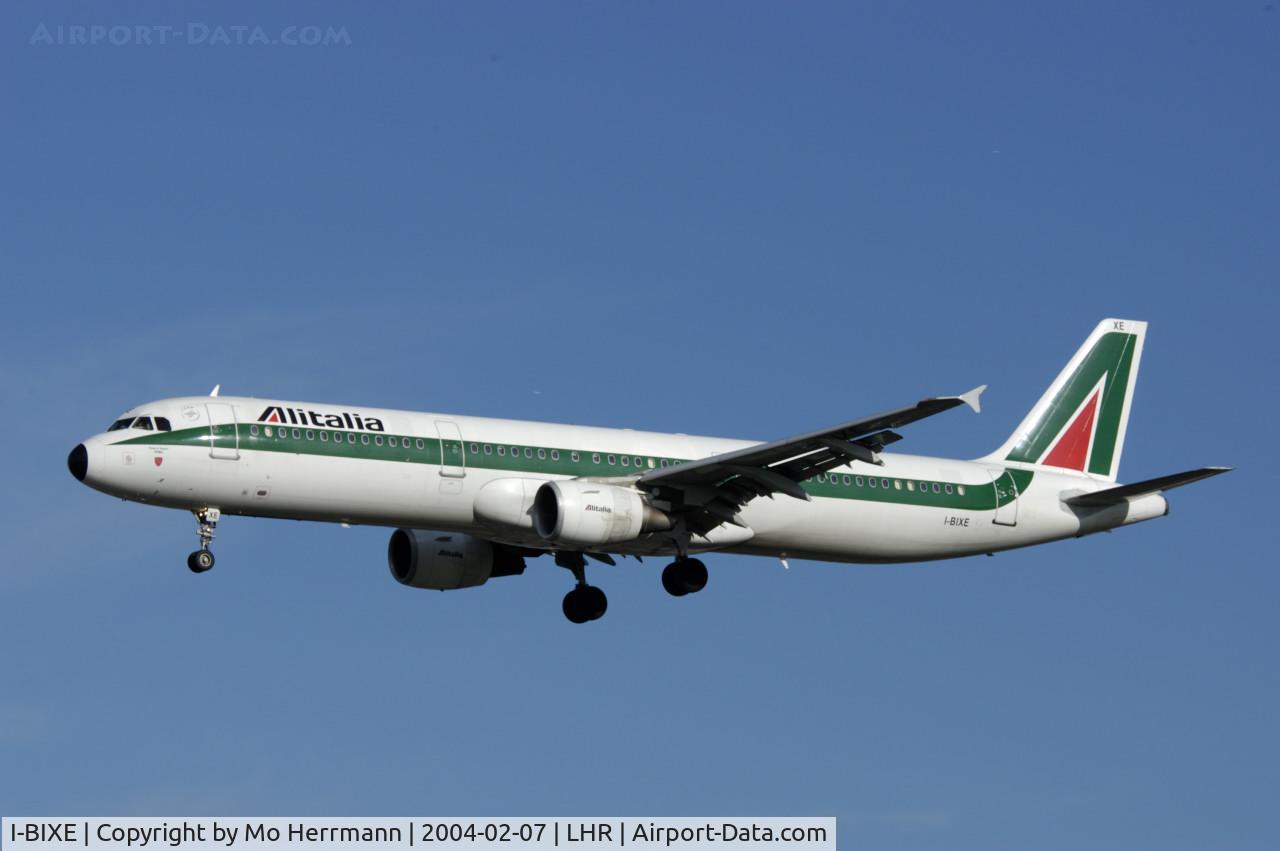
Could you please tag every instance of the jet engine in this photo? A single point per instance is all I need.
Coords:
(588, 514)
(444, 561)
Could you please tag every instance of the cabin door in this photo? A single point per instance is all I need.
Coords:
(1006, 492)
(453, 457)
(224, 436)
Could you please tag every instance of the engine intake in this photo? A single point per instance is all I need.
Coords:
(443, 561)
(590, 514)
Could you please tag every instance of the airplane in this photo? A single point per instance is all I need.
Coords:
(471, 498)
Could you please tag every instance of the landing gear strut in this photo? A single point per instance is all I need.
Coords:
(206, 521)
(684, 576)
(585, 602)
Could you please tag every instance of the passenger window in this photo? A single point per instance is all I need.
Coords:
(542, 454)
(528, 453)
(924, 487)
(143, 423)
(846, 481)
(937, 488)
(162, 424)
(884, 483)
(378, 440)
(897, 484)
(311, 435)
(502, 450)
(871, 482)
(949, 488)
(595, 457)
(364, 438)
(324, 437)
(297, 435)
(351, 437)
(911, 486)
(418, 444)
(475, 450)
(650, 463)
(613, 460)
(253, 431)
(573, 456)
(626, 462)
(488, 449)
(960, 489)
(515, 452)
(555, 454)
(858, 481)
(663, 462)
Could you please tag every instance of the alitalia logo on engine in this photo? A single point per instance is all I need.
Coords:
(298, 416)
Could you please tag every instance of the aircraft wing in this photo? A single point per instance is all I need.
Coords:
(709, 491)
(1113, 496)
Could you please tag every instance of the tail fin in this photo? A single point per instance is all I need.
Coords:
(1080, 421)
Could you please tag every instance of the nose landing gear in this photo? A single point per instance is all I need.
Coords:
(206, 521)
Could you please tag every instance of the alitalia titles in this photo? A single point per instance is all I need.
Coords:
(301, 416)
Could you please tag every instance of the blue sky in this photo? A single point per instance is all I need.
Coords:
(742, 219)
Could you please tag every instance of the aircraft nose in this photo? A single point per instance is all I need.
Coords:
(78, 462)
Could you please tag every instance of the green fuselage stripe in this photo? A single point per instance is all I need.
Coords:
(548, 461)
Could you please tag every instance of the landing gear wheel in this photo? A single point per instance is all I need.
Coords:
(573, 609)
(695, 575)
(585, 603)
(684, 576)
(200, 561)
(673, 581)
(595, 602)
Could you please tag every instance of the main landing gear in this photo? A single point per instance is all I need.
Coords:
(684, 576)
(206, 521)
(585, 602)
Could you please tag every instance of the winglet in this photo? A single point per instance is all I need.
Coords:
(971, 398)
(214, 391)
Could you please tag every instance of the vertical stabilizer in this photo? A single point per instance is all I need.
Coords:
(1080, 421)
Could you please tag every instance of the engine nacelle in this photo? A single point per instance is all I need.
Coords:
(444, 561)
(590, 514)
(507, 502)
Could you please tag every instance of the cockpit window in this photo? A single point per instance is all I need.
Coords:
(119, 424)
(143, 423)
(162, 424)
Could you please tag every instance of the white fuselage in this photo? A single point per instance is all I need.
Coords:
(425, 471)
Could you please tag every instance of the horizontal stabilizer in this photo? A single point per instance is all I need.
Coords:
(1112, 496)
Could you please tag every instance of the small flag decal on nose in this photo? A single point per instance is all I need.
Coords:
(159, 459)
